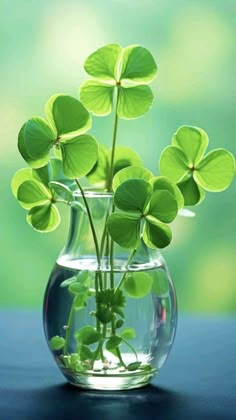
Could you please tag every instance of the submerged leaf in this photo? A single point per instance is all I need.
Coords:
(57, 343)
(138, 285)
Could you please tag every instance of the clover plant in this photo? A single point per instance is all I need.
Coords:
(60, 154)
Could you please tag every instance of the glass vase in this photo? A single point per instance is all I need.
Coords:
(102, 334)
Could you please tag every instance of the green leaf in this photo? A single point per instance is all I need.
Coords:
(33, 193)
(118, 310)
(156, 234)
(57, 343)
(103, 63)
(138, 285)
(56, 174)
(160, 283)
(39, 138)
(69, 281)
(100, 171)
(133, 195)
(67, 115)
(62, 191)
(113, 342)
(22, 149)
(173, 163)
(119, 323)
(125, 157)
(134, 101)
(45, 218)
(124, 229)
(79, 155)
(133, 366)
(97, 97)
(77, 288)
(193, 141)
(131, 172)
(79, 301)
(128, 333)
(164, 183)
(42, 174)
(20, 176)
(104, 315)
(138, 64)
(216, 171)
(85, 353)
(163, 206)
(190, 191)
(87, 335)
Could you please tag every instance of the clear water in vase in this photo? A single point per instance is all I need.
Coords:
(143, 327)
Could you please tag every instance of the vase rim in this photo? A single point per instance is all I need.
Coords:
(94, 194)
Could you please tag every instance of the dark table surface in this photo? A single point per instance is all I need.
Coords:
(198, 380)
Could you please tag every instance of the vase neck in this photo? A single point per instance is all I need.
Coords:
(82, 239)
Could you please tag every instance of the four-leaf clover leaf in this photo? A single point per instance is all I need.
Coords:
(184, 162)
(130, 70)
(67, 121)
(145, 211)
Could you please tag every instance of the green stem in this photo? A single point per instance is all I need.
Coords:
(98, 324)
(68, 329)
(119, 357)
(93, 230)
(124, 275)
(110, 178)
(131, 347)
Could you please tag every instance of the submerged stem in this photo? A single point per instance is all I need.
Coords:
(68, 329)
(125, 273)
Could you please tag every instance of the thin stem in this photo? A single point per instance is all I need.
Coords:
(93, 230)
(131, 347)
(110, 178)
(112, 283)
(125, 273)
(68, 329)
(119, 357)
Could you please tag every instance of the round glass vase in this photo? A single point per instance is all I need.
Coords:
(109, 319)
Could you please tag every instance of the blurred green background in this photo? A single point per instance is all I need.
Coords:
(43, 45)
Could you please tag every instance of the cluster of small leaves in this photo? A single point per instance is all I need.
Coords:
(80, 287)
(110, 303)
(130, 70)
(184, 163)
